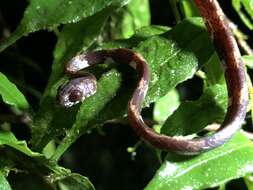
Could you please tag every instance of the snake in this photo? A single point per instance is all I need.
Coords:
(82, 85)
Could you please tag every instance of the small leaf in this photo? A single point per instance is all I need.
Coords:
(165, 106)
(107, 88)
(8, 139)
(248, 61)
(75, 181)
(48, 14)
(140, 35)
(192, 117)
(210, 169)
(4, 184)
(248, 7)
(178, 53)
(127, 20)
(189, 8)
(10, 93)
(76, 37)
(249, 181)
(72, 39)
(214, 71)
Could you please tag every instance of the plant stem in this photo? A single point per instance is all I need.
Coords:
(240, 37)
(70, 138)
(173, 5)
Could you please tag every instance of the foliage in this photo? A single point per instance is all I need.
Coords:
(174, 54)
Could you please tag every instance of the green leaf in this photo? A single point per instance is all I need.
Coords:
(248, 61)
(131, 17)
(214, 71)
(72, 39)
(4, 184)
(41, 14)
(249, 181)
(37, 164)
(8, 139)
(210, 169)
(189, 8)
(191, 117)
(140, 35)
(165, 106)
(222, 187)
(248, 7)
(75, 181)
(10, 93)
(107, 88)
(75, 38)
(179, 53)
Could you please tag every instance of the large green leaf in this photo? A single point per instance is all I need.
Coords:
(10, 93)
(189, 8)
(193, 116)
(18, 158)
(4, 184)
(248, 7)
(179, 53)
(172, 57)
(75, 181)
(214, 71)
(248, 61)
(76, 37)
(167, 55)
(8, 139)
(140, 35)
(131, 17)
(106, 89)
(249, 182)
(72, 39)
(210, 169)
(41, 14)
(165, 106)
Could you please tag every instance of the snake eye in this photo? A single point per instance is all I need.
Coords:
(75, 96)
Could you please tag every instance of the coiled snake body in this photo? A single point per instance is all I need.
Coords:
(84, 85)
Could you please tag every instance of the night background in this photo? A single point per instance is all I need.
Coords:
(101, 155)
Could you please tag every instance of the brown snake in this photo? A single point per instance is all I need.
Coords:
(82, 86)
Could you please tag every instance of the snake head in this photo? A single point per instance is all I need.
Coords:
(77, 90)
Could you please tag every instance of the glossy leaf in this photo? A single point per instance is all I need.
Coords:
(10, 93)
(127, 20)
(48, 14)
(140, 35)
(165, 106)
(75, 181)
(107, 88)
(249, 182)
(214, 71)
(4, 184)
(248, 61)
(166, 55)
(189, 8)
(191, 117)
(75, 38)
(8, 139)
(209, 169)
(248, 7)
(179, 53)
(72, 39)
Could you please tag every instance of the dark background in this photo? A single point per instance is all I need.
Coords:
(103, 158)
